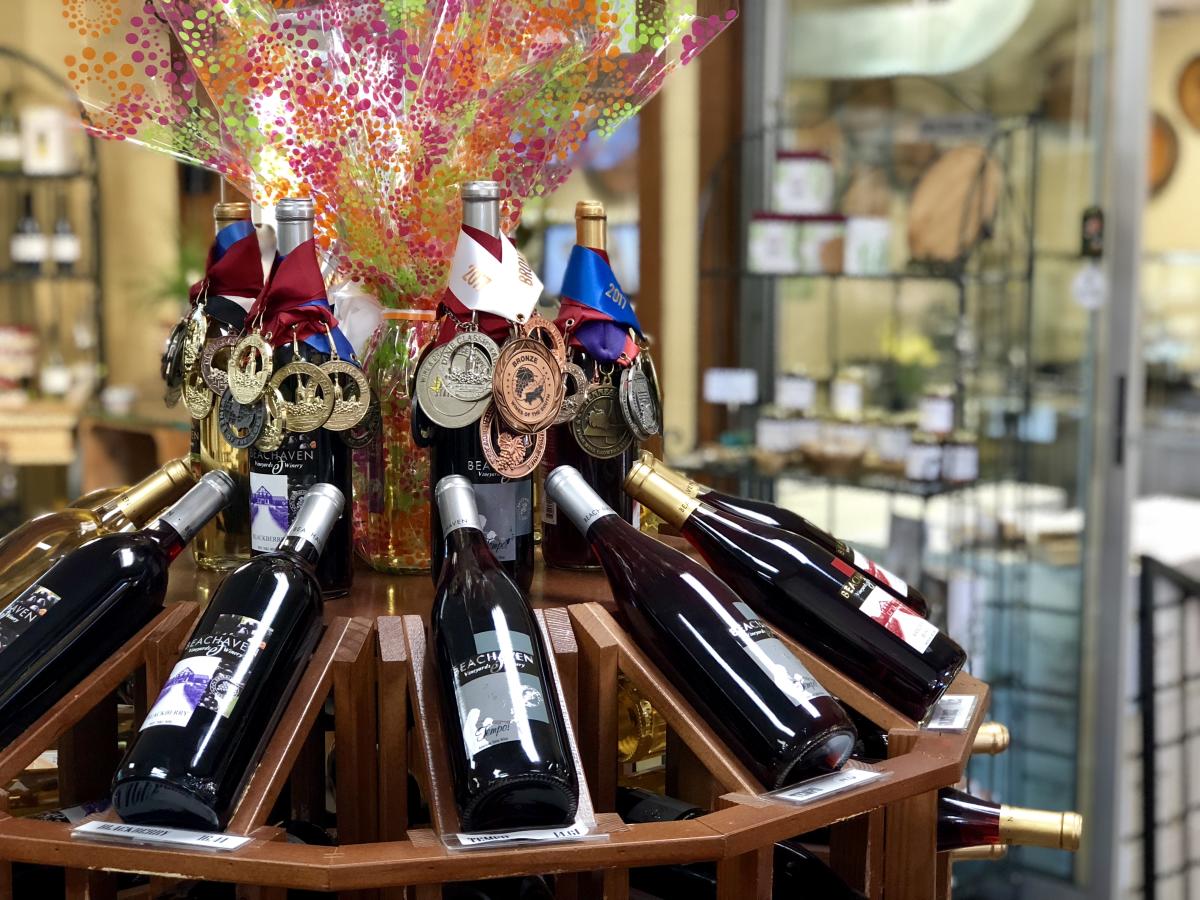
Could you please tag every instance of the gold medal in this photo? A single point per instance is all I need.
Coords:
(528, 387)
(196, 396)
(193, 337)
(274, 428)
(250, 365)
(349, 407)
(600, 429)
(312, 399)
(214, 360)
(510, 453)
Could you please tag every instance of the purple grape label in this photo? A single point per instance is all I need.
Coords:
(20, 615)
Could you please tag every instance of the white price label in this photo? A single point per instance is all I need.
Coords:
(952, 713)
(167, 837)
(796, 392)
(817, 788)
(577, 832)
(733, 387)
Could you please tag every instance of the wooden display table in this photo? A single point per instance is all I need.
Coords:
(373, 661)
(120, 449)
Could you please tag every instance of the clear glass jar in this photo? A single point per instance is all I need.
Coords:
(391, 475)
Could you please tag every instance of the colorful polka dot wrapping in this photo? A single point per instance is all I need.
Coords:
(379, 109)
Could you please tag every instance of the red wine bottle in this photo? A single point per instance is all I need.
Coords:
(770, 514)
(816, 597)
(205, 732)
(967, 821)
(89, 603)
(507, 741)
(752, 691)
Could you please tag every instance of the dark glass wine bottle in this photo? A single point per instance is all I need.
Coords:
(29, 246)
(991, 739)
(563, 546)
(202, 738)
(507, 741)
(89, 603)
(967, 821)
(305, 458)
(506, 504)
(64, 245)
(797, 872)
(770, 514)
(751, 690)
(816, 598)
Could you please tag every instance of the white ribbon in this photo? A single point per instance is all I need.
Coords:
(506, 287)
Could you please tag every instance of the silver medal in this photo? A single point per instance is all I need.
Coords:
(470, 362)
(639, 405)
(441, 407)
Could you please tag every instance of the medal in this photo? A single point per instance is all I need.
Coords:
(510, 453)
(241, 424)
(652, 376)
(639, 405)
(312, 399)
(423, 431)
(193, 337)
(365, 431)
(600, 429)
(436, 401)
(250, 365)
(171, 367)
(470, 362)
(212, 370)
(348, 408)
(196, 396)
(575, 393)
(528, 385)
(274, 428)
(547, 334)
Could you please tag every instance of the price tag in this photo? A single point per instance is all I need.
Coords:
(733, 387)
(166, 837)
(817, 788)
(796, 392)
(580, 831)
(952, 713)
(774, 435)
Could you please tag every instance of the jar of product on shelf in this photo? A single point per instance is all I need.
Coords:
(773, 439)
(796, 391)
(960, 459)
(846, 395)
(806, 435)
(391, 474)
(936, 411)
(891, 441)
(924, 459)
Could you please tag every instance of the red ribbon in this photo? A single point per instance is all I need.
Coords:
(495, 327)
(236, 274)
(287, 299)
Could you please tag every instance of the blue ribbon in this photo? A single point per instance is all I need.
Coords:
(590, 281)
(320, 342)
(230, 235)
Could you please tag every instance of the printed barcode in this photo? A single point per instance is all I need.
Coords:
(952, 712)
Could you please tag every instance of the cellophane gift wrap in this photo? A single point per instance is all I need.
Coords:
(379, 110)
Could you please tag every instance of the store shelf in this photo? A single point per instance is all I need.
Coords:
(64, 176)
(39, 433)
(21, 278)
(950, 277)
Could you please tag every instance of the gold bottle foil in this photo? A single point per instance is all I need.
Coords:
(1039, 828)
(655, 492)
(991, 739)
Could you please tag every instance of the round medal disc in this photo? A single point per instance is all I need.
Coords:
(528, 387)
(365, 431)
(241, 424)
(600, 429)
(545, 332)
(193, 337)
(651, 372)
(196, 396)
(511, 453)
(349, 407)
(412, 370)
(312, 400)
(575, 393)
(638, 403)
(274, 428)
(470, 362)
(171, 367)
(214, 360)
(250, 365)
(436, 402)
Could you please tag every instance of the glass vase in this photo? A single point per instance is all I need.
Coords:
(391, 475)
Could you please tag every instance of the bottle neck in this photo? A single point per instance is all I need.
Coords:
(291, 233)
(27, 206)
(592, 231)
(482, 214)
(1040, 828)
(149, 496)
(658, 494)
(302, 549)
(169, 540)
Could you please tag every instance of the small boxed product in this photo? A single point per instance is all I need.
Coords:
(924, 460)
(48, 141)
(867, 246)
(772, 245)
(803, 183)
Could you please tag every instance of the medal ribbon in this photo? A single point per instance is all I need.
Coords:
(295, 297)
(483, 281)
(601, 311)
(234, 266)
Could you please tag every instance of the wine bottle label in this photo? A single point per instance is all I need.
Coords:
(29, 248)
(770, 655)
(10, 148)
(549, 511)
(64, 248)
(26, 609)
(505, 514)
(873, 569)
(489, 710)
(885, 609)
(278, 483)
(212, 672)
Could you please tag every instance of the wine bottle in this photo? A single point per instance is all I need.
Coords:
(89, 603)
(797, 872)
(29, 246)
(991, 739)
(64, 243)
(10, 135)
(967, 821)
(751, 690)
(32, 548)
(777, 516)
(816, 597)
(202, 738)
(563, 546)
(506, 504)
(507, 741)
(641, 731)
(305, 458)
(97, 498)
(225, 541)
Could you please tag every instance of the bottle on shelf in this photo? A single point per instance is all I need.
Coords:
(991, 739)
(507, 741)
(817, 598)
(29, 246)
(797, 872)
(752, 691)
(10, 134)
(562, 544)
(98, 497)
(201, 739)
(89, 603)
(225, 541)
(967, 821)
(64, 242)
(305, 458)
(641, 731)
(10, 498)
(770, 514)
(984, 852)
(505, 503)
(32, 548)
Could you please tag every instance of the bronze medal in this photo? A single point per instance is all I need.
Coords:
(349, 407)
(250, 366)
(196, 396)
(241, 424)
(470, 362)
(511, 453)
(274, 428)
(312, 399)
(365, 431)
(600, 429)
(214, 361)
(546, 333)
(575, 393)
(528, 387)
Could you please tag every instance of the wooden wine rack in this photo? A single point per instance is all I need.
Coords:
(375, 664)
